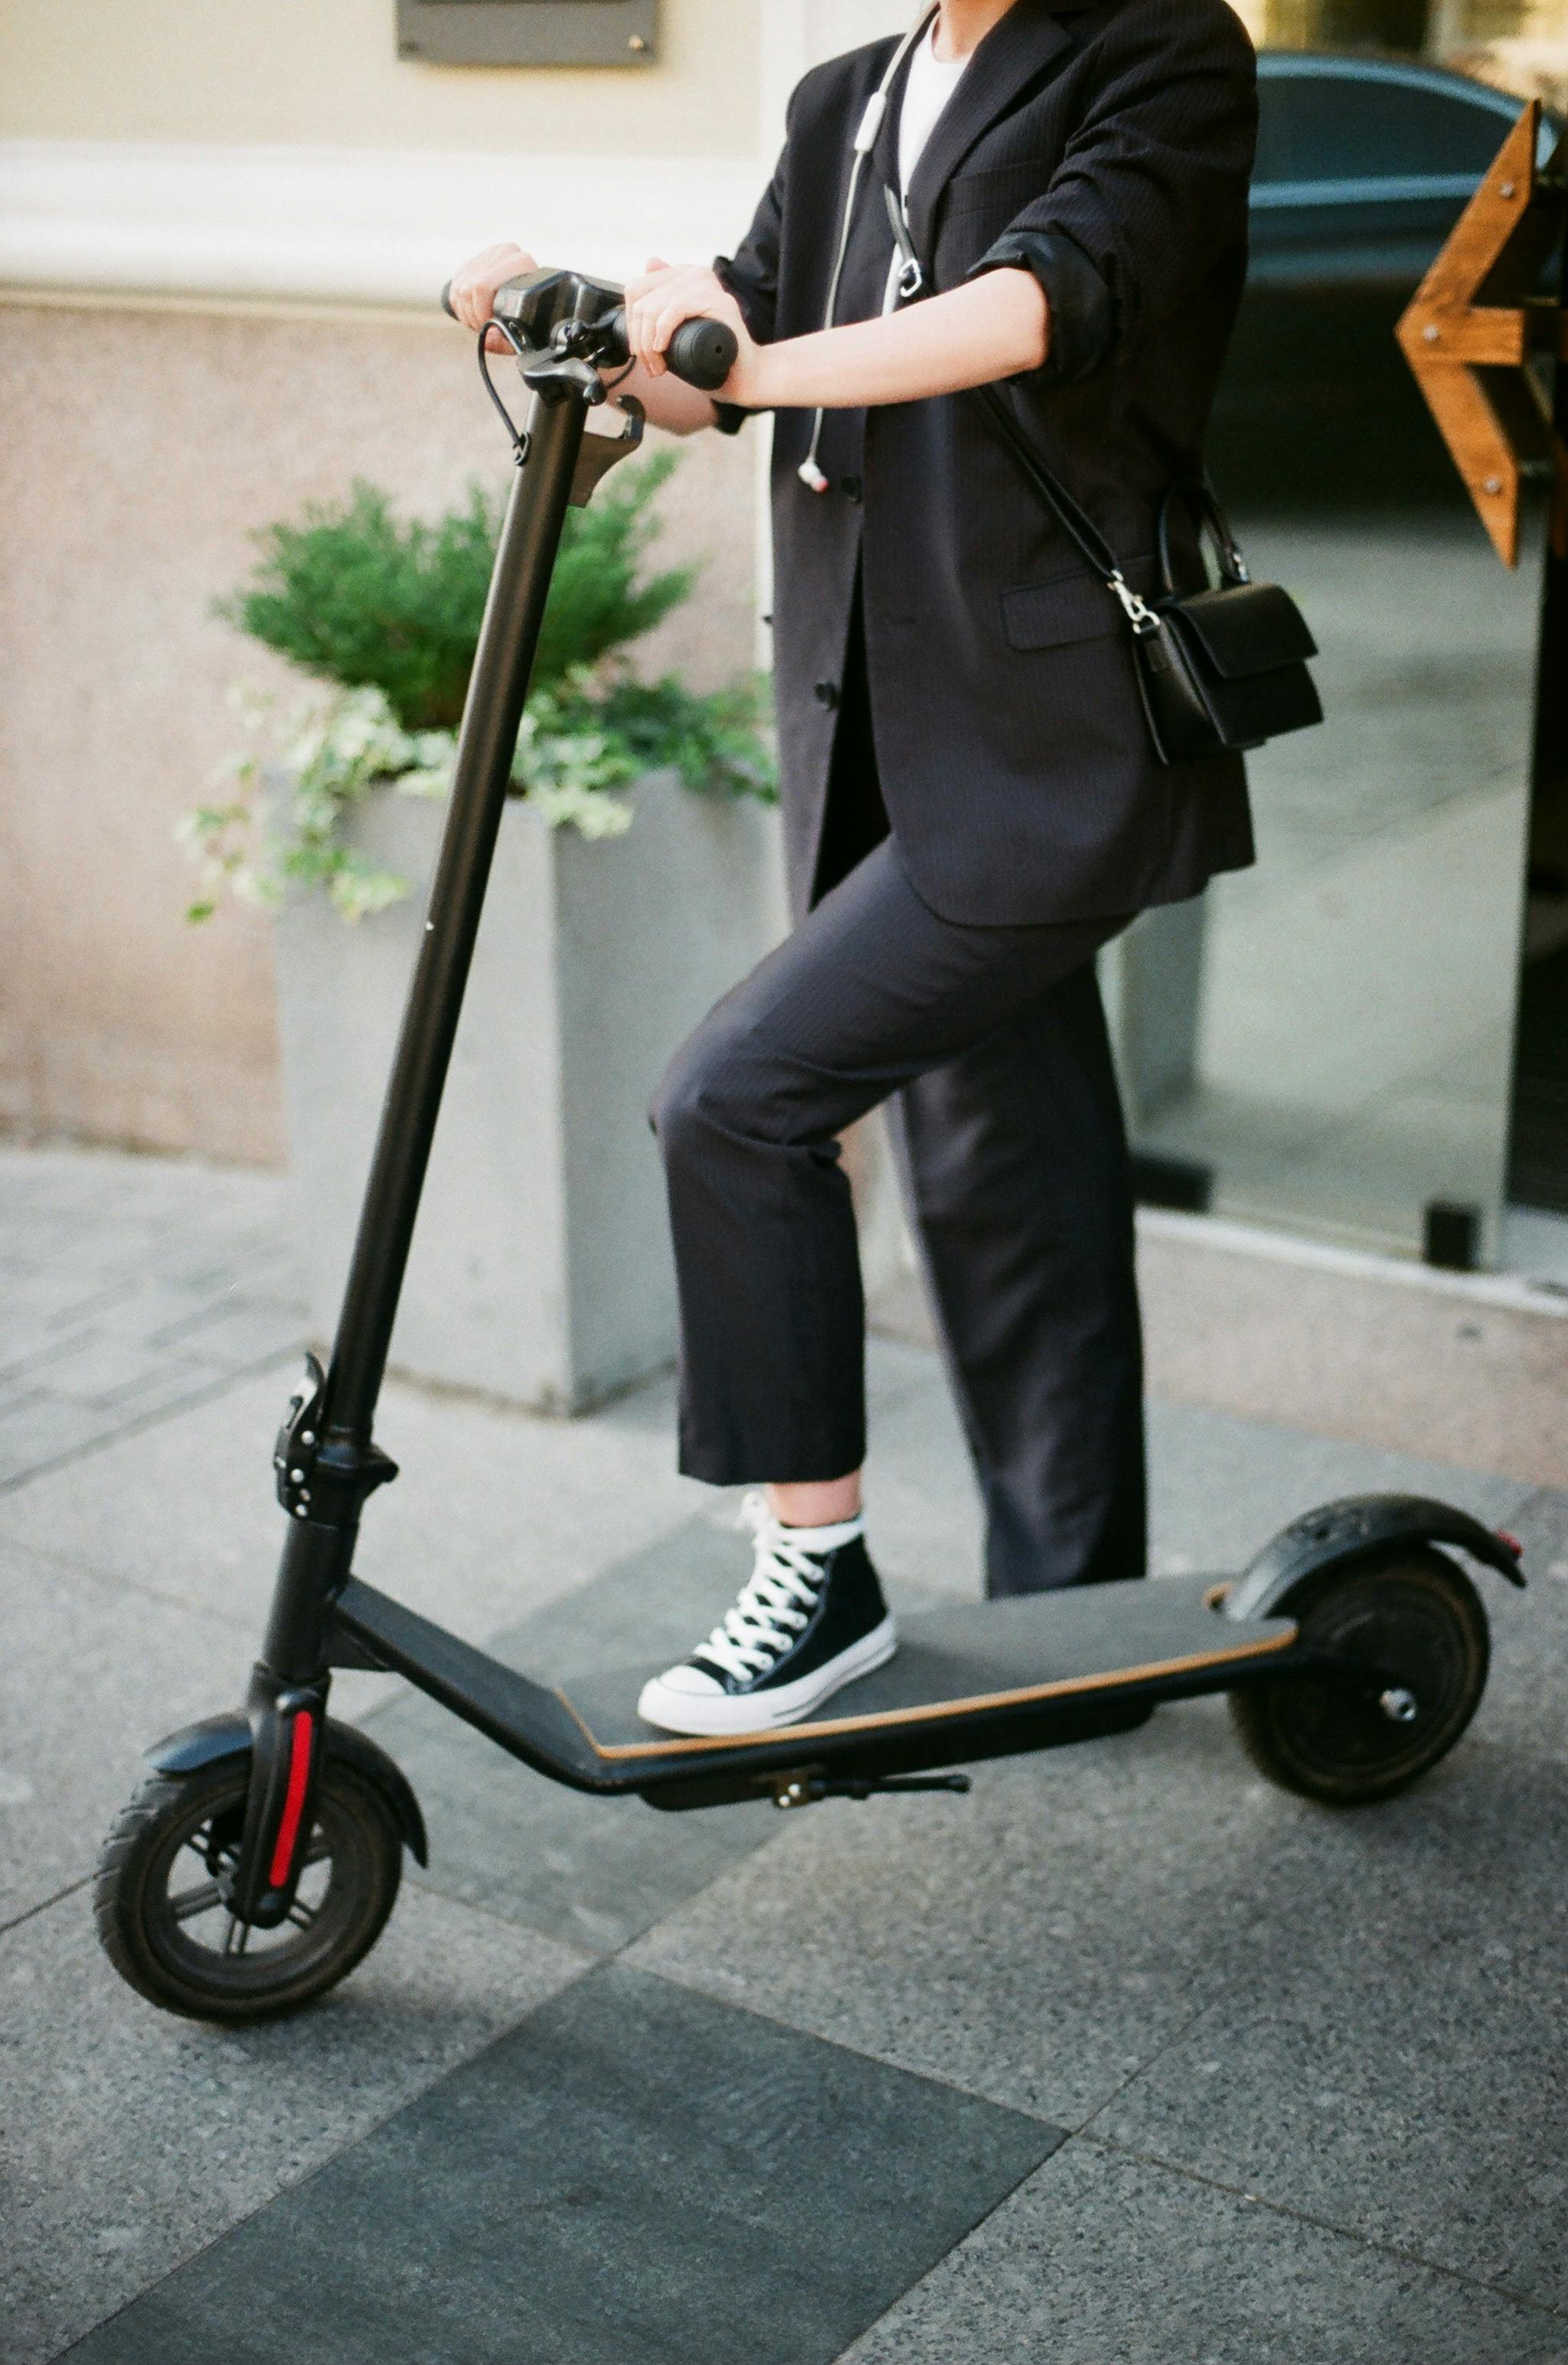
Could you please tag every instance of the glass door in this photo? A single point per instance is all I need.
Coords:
(1326, 1042)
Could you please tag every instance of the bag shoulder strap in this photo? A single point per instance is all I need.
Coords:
(1073, 519)
(1203, 510)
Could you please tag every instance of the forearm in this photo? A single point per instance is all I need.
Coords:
(668, 402)
(990, 328)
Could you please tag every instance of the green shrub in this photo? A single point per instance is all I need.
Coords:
(390, 615)
(354, 597)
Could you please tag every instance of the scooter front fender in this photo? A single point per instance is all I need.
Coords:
(1359, 1527)
(196, 1746)
(352, 1748)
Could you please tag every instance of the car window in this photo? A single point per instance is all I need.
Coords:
(1327, 126)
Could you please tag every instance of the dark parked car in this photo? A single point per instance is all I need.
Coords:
(1364, 164)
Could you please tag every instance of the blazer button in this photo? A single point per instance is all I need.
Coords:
(826, 693)
(850, 487)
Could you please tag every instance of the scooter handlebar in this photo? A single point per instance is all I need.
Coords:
(701, 352)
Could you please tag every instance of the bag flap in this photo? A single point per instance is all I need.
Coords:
(1243, 628)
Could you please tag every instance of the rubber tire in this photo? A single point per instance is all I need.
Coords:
(135, 1861)
(1318, 1738)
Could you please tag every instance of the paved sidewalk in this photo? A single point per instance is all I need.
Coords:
(130, 1286)
(1123, 2060)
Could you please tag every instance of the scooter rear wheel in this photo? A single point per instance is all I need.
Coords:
(159, 1910)
(1346, 1739)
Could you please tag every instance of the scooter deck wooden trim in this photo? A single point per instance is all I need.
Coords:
(966, 1660)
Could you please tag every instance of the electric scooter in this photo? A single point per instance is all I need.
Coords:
(260, 1862)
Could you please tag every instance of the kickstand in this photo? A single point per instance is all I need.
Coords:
(806, 1789)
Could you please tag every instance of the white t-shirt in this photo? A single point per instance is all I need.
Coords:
(928, 85)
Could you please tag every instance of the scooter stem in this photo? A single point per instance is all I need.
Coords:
(503, 662)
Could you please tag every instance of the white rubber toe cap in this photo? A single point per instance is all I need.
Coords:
(674, 1689)
(687, 1700)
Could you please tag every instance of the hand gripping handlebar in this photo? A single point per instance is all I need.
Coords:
(537, 308)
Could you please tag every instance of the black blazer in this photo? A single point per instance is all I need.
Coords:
(1106, 147)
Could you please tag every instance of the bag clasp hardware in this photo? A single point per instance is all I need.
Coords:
(1136, 611)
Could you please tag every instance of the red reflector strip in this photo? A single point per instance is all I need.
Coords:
(1512, 1542)
(300, 1740)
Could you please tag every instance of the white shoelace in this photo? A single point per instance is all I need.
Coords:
(775, 1604)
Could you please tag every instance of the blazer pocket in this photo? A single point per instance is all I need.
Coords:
(1012, 185)
(1052, 615)
(1068, 607)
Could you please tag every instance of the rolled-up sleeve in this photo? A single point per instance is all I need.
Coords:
(750, 275)
(1153, 189)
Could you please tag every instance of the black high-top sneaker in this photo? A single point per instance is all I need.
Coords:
(810, 1618)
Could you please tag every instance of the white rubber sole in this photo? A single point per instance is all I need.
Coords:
(714, 1715)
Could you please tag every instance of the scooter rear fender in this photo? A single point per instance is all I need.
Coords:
(1359, 1527)
(196, 1746)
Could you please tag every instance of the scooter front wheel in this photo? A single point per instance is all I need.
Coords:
(159, 1896)
(1417, 1625)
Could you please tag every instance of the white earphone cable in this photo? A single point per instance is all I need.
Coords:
(810, 470)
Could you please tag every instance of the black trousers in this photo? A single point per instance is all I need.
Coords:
(991, 1043)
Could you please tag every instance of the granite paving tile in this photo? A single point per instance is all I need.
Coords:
(38, 1430)
(130, 2139)
(1037, 1941)
(634, 2175)
(1099, 2259)
(1528, 1688)
(100, 1369)
(1392, 2054)
(1221, 1486)
(494, 1511)
(92, 1671)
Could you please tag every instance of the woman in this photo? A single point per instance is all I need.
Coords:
(1053, 200)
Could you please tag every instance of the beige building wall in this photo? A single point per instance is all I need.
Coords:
(148, 445)
(327, 73)
(222, 230)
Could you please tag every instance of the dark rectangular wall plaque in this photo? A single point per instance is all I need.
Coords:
(528, 32)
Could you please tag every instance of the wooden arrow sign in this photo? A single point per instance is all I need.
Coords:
(1475, 321)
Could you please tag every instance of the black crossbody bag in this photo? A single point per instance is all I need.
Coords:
(1220, 669)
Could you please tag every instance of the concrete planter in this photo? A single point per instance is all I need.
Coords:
(541, 1269)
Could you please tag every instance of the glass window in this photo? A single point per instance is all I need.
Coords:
(1326, 1041)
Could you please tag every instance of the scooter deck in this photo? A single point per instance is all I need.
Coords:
(979, 1680)
(976, 1659)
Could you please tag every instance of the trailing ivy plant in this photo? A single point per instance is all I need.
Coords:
(389, 613)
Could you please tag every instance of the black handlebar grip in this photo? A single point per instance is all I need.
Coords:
(700, 352)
